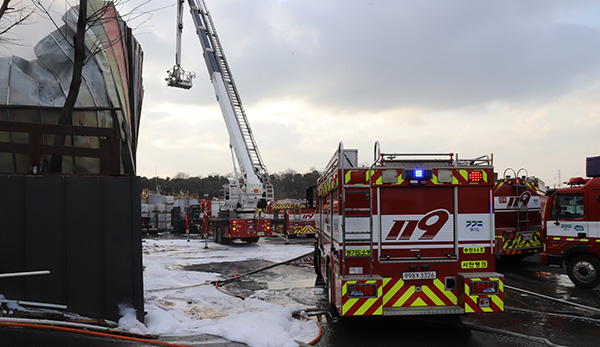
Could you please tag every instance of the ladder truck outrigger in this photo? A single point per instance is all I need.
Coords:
(237, 215)
(411, 234)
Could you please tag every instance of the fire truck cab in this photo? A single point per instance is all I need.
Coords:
(571, 230)
(411, 234)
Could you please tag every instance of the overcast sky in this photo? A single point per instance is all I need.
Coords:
(519, 79)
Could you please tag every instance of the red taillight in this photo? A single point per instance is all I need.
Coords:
(484, 287)
(362, 290)
(475, 176)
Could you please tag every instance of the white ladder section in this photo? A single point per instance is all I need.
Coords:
(216, 63)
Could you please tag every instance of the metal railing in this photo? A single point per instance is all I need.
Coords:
(109, 151)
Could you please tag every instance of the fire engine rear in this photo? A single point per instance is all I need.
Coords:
(518, 215)
(409, 235)
(291, 217)
(224, 225)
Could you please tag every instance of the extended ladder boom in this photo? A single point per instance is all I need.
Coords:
(254, 177)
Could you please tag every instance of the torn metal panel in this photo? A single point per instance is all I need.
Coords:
(110, 94)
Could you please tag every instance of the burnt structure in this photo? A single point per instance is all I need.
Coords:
(83, 223)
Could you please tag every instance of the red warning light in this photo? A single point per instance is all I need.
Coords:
(475, 176)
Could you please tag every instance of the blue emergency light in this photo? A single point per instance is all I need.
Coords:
(418, 174)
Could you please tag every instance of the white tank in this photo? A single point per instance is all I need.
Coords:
(156, 199)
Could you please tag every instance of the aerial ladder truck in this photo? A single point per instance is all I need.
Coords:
(235, 214)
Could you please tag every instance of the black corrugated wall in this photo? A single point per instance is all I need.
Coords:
(85, 230)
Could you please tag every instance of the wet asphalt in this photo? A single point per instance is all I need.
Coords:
(528, 320)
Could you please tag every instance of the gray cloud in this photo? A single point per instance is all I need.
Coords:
(385, 54)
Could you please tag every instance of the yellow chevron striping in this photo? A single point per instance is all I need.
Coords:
(450, 295)
(418, 302)
(405, 297)
(431, 295)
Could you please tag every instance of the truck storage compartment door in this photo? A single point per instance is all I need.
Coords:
(415, 223)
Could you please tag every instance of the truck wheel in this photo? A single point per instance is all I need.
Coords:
(330, 296)
(317, 262)
(583, 270)
(513, 259)
(217, 231)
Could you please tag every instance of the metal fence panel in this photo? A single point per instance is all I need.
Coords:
(85, 230)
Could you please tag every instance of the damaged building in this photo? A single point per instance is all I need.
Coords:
(81, 222)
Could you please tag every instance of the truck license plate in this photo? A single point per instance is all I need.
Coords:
(527, 237)
(421, 275)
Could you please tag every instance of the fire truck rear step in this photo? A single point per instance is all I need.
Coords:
(416, 311)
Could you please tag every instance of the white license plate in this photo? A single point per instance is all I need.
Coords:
(527, 237)
(420, 275)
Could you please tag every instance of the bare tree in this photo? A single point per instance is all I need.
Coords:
(86, 20)
(78, 62)
(10, 17)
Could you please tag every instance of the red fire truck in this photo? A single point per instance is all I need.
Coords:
(293, 216)
(218, 222)
(518, 215)
(409, 235)
(571, 229)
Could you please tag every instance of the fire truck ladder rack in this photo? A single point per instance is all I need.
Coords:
(451, 159)
(522, 207)
(433, 159)
(357, 236)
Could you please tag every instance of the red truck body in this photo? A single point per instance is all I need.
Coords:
(518, 217)
(409, 235)
(571, 229)
(224, 226)
(292, 217)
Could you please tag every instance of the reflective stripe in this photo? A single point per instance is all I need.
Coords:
(399, 293)
(515, 246)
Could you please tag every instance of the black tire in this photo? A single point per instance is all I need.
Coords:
(218, 238)
(317, 261)
(584, 270)
(291, 235)
(513, 259)
(330, 300)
